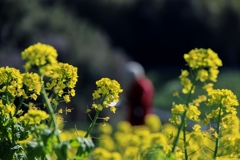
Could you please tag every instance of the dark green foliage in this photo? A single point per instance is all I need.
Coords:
(9, 150)
(85, 146)
(11, 132)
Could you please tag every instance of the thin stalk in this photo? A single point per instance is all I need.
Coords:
(185, 140)
(218, 132)
(19, 106)
(92, 124)
(50, 110)
(182, 125)
(89, 129)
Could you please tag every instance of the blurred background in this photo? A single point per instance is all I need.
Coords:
(99, 37)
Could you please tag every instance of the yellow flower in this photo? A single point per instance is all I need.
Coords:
(7, 109)
(108, 90)
(131, 153)
(106, 141)
(158, 139)
(202, 75)
(196, 127)
(66, 98)
(106, 118)
(97, 107)
(60, 111)
(34, 116)
(106, 129)
(32, 81)
(100, 154)
(193, 113)
(178, 109)
(11, 79)
(116, 156)
(153, 122)
(113, 109)
(124, 126)
(39, 55)
(224, 96)
(208, 87)
(88, 110)
(202, 58)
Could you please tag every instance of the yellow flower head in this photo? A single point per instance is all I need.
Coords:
(11, 81)
(205, 62)
(202, 58)
(153, 122)
(193, 113)
(124, 126)
(65, 82)
(106, 141)
(100, 154)
(196, 127)
(39, 55)
(108, 90)
(32, 81)
(158, 139)
(34, 116)
(107, 129)
(131, 153)
(224, 96)
(7, 109)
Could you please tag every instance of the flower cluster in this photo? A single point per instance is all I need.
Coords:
(108, 90)
(64, 85)
(204, 64)
(202, 58)
(40, 55)
(186, 82)
(226, 102)
(33, 83)
(34, 116)
(11, 81)
(225, 97)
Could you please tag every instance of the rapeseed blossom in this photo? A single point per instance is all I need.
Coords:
(107, 129)
(11, 81)
(224, 96)
(64, 85)
(204, 64)
(39, 55)
(202, 58)
(109, 91)
(193, 113)
(186, 82)
(7, 109)
(34, 116)
(33, 83)
(196, 127)
(153, 122)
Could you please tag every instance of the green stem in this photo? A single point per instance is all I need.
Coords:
(182, 125)
(185, 141)
(179, 130)
(92, 124)
(50, 110)
(218, 132)
(89, 129)
(19, 106)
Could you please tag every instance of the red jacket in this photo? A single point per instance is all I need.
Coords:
(140, 100)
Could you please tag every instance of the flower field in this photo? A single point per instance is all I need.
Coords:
(31, 122)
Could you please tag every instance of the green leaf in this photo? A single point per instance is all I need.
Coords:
(61, 150)
(86, 146)
(11, 151)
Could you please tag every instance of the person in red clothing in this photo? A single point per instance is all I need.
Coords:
(140, 94)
